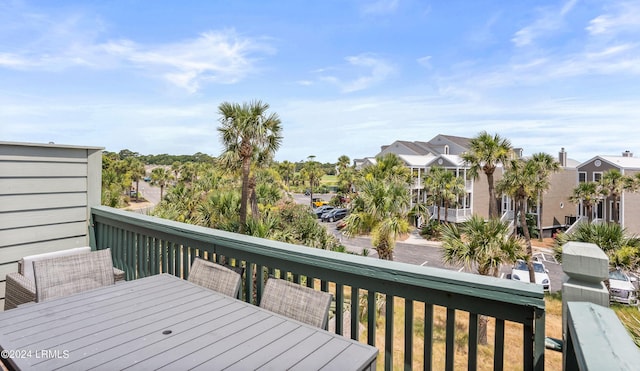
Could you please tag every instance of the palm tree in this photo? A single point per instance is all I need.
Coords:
(136, 167)
(420, 212)
(313, 171)
(546, 165)
(522, 182)
(389, 166)
(287, 170)
(454, 187)
(485, 153)
(433, 185)
(622, 248)
(160, 177)
(485, 245)
(175, 167)
(346, 178)
(346, 173)
(343, 162)
(444, 188)
(248, 135)
(381, 209)
(612, 184)
(585, 193)
(188, 172)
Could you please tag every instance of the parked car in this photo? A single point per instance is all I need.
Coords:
(622, 287)
(317, 202)
(334, 215)
(322, 209)
(520, 272)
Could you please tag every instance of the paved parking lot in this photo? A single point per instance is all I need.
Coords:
(416, 250)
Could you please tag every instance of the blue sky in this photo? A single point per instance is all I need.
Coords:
(345, 77)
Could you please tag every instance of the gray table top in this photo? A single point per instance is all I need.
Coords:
(163, 322)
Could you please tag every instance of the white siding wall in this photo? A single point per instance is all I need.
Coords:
(46, 192)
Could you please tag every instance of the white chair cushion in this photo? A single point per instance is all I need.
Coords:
(27, 261)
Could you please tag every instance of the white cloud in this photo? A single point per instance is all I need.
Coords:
(221, 56)
(10, 60)
(549, 21)
(623, 16)
(425, 61)
(380, 7)
(368, 69)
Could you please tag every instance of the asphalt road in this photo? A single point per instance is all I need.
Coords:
(419, 251)
(149, 192)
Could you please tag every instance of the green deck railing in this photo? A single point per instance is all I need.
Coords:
(143, 245)
(597, 340)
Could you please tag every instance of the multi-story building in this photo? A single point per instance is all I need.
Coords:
(553, 209)
(628, 202)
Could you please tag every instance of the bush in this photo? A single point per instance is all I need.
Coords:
(431, 230)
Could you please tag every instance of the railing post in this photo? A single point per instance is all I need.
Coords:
(586, 267)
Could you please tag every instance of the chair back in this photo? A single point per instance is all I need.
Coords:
(215, 277)
(25, 265)
(298, 302)
(66, 275)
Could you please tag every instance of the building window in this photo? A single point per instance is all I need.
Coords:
(582, 177)
(446, 149)
(597, 176)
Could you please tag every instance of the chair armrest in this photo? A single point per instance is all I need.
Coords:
(19, 290)
(118, 275)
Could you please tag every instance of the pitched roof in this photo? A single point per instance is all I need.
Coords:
(420, 161)
(454, 160)
(414, 146)
(461, 141)
(623, 162)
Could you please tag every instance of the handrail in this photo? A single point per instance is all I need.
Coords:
(143, 245)
(575, 224)
(591, 329)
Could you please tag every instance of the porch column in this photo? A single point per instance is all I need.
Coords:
(585, 266)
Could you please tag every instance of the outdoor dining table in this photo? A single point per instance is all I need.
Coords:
(164, 322)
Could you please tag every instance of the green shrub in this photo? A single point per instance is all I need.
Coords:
(431, 230)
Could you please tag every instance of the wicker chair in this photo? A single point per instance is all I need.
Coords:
(21, 287)
(298, 302)
(215, 277)
(67, 275)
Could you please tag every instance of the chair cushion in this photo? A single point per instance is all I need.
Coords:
(27, 261)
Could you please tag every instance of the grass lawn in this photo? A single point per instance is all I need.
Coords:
(329, 180)
(629, 315)
(513, 339)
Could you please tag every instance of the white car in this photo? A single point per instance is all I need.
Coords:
(520, 272)
(622, 288)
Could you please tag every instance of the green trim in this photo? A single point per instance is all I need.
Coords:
(142, 244)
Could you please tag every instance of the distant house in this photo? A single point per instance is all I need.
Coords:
(439, 145)
(446, 150)
(629, 202)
